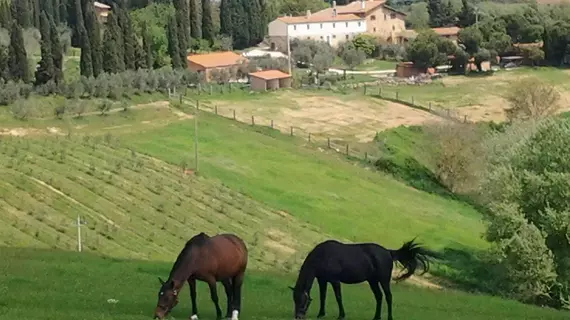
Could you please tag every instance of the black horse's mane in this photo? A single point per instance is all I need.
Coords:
(198, 240)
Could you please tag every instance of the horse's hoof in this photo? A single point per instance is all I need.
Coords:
(193, 317)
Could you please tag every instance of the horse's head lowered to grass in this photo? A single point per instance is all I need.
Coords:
(167, 298)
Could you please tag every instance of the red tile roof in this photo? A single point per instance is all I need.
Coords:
(216, 59)
(270, 74)
(447, 31)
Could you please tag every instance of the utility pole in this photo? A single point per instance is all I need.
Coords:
(288, 49)
(78, 224)
(196, 136)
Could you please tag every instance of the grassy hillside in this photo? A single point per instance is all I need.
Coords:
(135, 206)
(338, 197)
(51, 285)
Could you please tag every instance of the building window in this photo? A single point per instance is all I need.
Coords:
(334, 25)
(385, 18)
(347, 24)
(347, 37)
(393, 16)
(372, 17)
(321, 25)
(294, 27)
(321, 37)
(308, 26)
(309, 38)
(359, 23)
(374, 29)
(393, 28)
(334, 36)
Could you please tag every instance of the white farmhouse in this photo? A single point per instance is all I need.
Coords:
(326, 25)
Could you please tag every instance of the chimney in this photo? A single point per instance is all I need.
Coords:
(308, 14)
(334, 4)
(362, 4)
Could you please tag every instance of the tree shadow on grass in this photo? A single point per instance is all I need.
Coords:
(466, 270)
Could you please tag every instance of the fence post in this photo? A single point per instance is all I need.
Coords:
(397, 95)
(465, 118)
(211, 90)
(234, 114)
(252, 121)
(309, 137)
(291, 131)
(380, 91)
(271, 123)
(366, 156)
(216, 109)
(365, 86)
(347, 149)
(448, 112)
(430, 106)
(412, 100)
(329, 142)
(180, 99)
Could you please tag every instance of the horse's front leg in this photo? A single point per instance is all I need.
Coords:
(230, 297)
(214, 295)
(192, 285)
(323, 296)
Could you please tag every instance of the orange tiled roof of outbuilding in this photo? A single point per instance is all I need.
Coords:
(270, 74)
(216, 59)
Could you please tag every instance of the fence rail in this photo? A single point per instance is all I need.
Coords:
(191, 96)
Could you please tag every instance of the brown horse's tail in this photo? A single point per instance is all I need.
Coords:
(411, 256)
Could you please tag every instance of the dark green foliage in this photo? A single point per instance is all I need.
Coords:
(429, 50)
(242, 20)
(471, 38)
(4, 71)
(467, 15)
(173, 47)
(140, 53)
(94, 33)
(36, 12)
(46, 70)
(207, 22)
(182, 11)
(86, 59)
(113, 61)
(440, 13)
(182, 39)
(63, 14)
(56, 51)
(47, 6)
(19, 69)
(557, 42)
(129, 40)
(147, 47)
(55, 11)
(5, 15)
(21, 12)
(196, 12)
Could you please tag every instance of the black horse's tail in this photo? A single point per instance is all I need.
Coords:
(411, 256)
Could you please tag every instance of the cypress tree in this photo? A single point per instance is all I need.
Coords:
(147, 46)
(226, 23)
(129, 41)
(207, 21)
(63, 11)
(5, 15)
(173, 48)
(56, 51)
(183, 16)
(47, 6)
(86, 62)
(18, 59)
(196, 18)
(4, 71)
(46, 71)
(55, 11)
(182, 40)
(94, 33)
(36, 12)
(113, 61)
(21, 12)
(140, 53)
(72, 21)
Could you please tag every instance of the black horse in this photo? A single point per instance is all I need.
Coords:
(336, 262)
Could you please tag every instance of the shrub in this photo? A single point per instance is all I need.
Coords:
(531, 98)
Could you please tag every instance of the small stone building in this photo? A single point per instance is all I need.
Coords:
(269, 80)
(207, 63)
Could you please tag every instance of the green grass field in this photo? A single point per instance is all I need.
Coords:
(54, 285)
(123, 174)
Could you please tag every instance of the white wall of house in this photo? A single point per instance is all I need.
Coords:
(331, 32)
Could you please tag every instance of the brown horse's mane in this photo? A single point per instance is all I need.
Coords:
(197, 240)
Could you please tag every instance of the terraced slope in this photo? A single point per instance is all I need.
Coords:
(135, 206)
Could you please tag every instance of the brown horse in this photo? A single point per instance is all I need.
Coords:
(220, 258)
